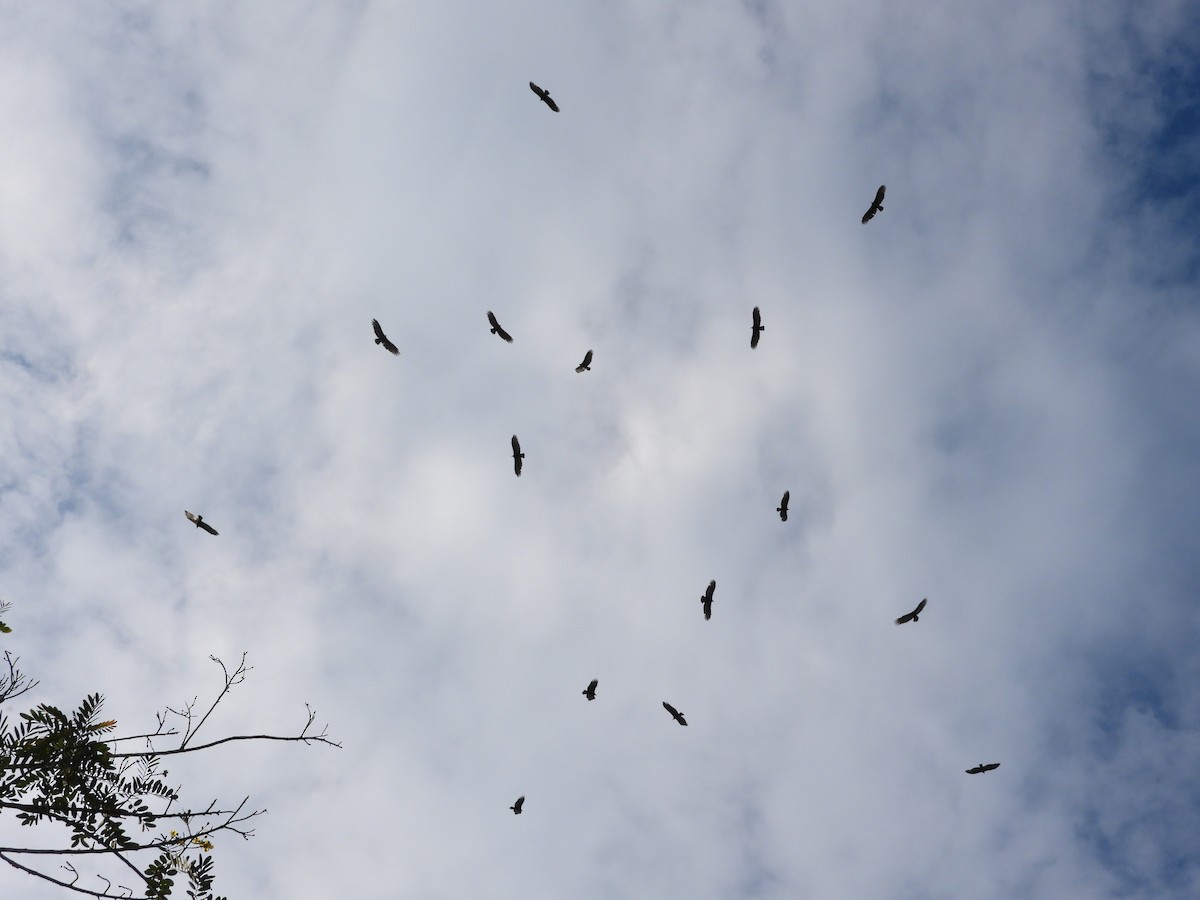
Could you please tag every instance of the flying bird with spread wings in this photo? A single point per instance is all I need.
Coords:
(590, 690)
(706, 601)
(517, 456)
(675, 714)
(782, 507)
(876, 204)
(381, 338)
(496, 329)
(586, 365)
(914, 615)
(516, 807)
(544, 95)
(981, 768)
(756, 329)
(200, 523)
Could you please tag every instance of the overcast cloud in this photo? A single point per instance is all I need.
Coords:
(987, 396)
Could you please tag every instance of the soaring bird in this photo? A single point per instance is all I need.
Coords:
(590, 693)
(912, 616)
(544, 95)
(517, 456)
(876, 204)
(706, 601)
(676, 714)
(782, 507)
(381, 338)
(586, 365)
(496, 329)
(756, 329)
(516, 807)
(981, 768)
(200, 523)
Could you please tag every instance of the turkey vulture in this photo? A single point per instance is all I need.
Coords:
(912, 616)
(586, 365)
(876, 205)
(517, 456)
(496, 329)
(516, 807)
(381, 338)
(756, 329)
(706, 602)
(200, 523)
(782, 507)
(981, 768)
(590, 693)
(544, 95)
(676, 714)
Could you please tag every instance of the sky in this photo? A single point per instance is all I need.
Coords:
(985, 397)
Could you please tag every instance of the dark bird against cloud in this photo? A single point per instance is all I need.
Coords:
(517, 456)
(756, 329)
(782, 507)
(876, 205)
(981, 768)
(590, 690)
(545, 95)
(381, 338)
(675, 714)
(516, 807)
(496, 329)
(586, 365)
(706, 600)
(912, 616)
(200, 523)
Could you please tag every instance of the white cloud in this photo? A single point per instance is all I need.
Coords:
(983, 397)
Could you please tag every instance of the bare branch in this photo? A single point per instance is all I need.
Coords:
(69, 885)
(238, 676)
(13, 684)
(302, 738)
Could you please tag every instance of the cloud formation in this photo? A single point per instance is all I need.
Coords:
(984, 396)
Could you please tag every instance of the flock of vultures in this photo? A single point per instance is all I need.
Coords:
(706, 599)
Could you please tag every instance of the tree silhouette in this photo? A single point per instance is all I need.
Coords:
(116, 807)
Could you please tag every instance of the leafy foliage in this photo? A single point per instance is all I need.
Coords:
(65, 769)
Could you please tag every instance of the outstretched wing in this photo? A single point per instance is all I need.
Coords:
(669, 708)
(199, 520)
(991, 766)
(876, 204)
(975, 770)
(518, 456)
(516, 807)
(591, 688)
(783, 505)
(908, 617)
(755, 329)
(381, 338)
(496, 329)
(708, 594)
(544, 95)
(587, 361)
